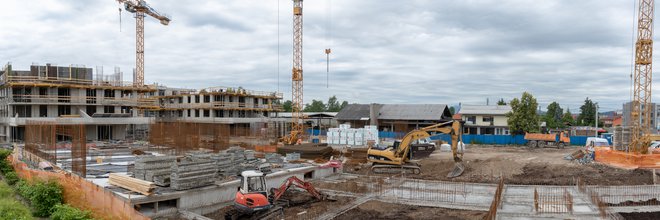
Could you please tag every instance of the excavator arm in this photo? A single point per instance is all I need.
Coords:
(293, 180)
(453, 128)
(399, 156)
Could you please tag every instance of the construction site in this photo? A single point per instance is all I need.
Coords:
(131, 150)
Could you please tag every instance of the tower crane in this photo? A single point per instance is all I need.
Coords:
(642, 79)
(296, 76)
(140, 8)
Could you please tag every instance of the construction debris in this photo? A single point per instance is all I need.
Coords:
(581, 156)
(136, 185)
(307, 151)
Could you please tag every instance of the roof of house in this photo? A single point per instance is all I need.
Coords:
(484, 109)
(309, 114)
(414, 112)
(353, 112)
(395, 112)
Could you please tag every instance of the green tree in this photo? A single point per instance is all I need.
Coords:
(287, 105)
(316, 106)
(568, 118)
(333, 105)
(523, 117)
(66, 212)
(343, 105)
(553, 117)
(501, 102)
(452, 110)
(587, 115)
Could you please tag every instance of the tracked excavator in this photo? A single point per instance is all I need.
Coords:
(397, 157)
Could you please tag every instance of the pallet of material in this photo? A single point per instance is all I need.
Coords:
(136, 185)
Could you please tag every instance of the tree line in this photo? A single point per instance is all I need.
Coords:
(333, 105)
(524, 116)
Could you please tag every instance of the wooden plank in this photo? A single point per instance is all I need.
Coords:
(137, 185)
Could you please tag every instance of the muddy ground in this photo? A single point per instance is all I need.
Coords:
(520, 165)
(381, 210)
(641, 215)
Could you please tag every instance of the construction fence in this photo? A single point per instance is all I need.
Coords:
(81, 193)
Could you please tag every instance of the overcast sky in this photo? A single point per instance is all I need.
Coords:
(406, 51)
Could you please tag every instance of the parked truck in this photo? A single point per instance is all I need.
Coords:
(560, 139)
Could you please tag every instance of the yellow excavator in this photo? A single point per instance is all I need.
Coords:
(397, 157)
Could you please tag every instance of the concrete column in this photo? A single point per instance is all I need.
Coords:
(374, 110)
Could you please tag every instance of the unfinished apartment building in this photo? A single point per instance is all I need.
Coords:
(246, 112)
(106, 106)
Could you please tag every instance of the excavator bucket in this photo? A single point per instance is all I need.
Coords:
(457, 171)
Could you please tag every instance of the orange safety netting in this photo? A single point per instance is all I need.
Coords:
(627, 160)
(83, 194)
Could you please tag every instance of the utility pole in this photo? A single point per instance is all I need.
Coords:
(596, 119)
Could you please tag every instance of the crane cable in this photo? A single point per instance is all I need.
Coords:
(328, 30)
(278, 46)
(632, 54)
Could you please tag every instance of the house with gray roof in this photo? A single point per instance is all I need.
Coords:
(485, 119)
(393, 117)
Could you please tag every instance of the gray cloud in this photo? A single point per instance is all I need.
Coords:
(419, 51)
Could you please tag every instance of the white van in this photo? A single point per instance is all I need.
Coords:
(596, 142)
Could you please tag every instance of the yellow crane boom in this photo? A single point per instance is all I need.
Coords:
(642, 79)
(140, 8)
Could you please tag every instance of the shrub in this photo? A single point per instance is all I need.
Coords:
(23, 188)
(44, 196)
(66, 212)
(11, 177)
(13, 210)
(5, 167)
(4, 153)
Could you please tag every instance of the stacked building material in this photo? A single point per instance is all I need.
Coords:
(155, 169)
(251, 162)
(275, 158)
(193, 172)
(225, 164)
(292, 156)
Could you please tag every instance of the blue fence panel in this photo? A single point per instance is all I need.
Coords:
(579, 140)
(316, 132)
(485, 139)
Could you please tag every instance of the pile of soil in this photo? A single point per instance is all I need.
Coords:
(348, 186)
(641, 215)
(591, 174)
(381, 210)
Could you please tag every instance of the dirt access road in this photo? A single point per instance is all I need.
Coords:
(521, 165)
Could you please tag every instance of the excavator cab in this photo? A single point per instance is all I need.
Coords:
(252, 195)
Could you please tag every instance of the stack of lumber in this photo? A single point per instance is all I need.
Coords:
(136, 185)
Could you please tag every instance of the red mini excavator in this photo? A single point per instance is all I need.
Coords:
(253, 201)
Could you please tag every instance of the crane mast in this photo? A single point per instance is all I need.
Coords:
(141, 9)
(297, 73)
(642, 79)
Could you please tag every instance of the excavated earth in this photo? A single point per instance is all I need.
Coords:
(381, 210)
(520, 165)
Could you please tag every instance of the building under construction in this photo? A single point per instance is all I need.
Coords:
(107, 106)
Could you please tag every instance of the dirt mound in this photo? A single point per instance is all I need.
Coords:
(382, 210)
(591, 174)
(641, 215)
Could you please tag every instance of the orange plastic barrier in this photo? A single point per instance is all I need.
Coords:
(83, 194)
(626, 160)
(266, 148)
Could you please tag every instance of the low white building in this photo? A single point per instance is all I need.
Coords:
(485, 119)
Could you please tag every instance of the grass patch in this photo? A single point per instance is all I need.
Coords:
(10, 208)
